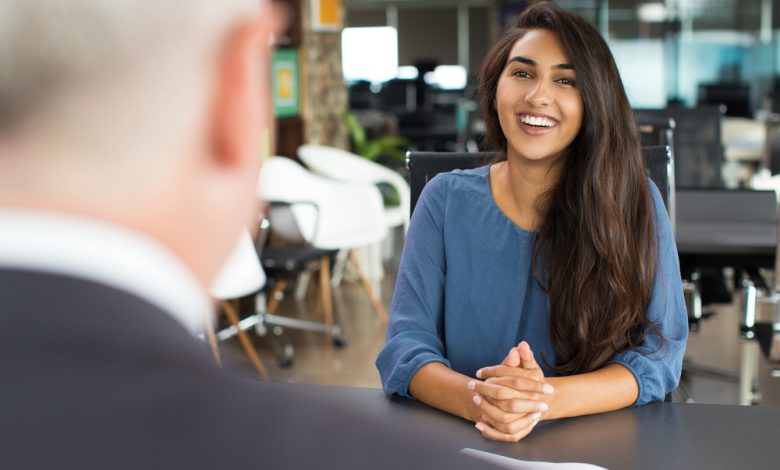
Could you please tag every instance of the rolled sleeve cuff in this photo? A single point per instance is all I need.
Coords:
(397, 372)
(627, 363)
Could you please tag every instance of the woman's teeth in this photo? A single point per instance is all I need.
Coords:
(537, 121)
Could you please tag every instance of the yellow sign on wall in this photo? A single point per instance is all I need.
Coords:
(326, 15)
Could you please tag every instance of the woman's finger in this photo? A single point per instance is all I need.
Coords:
(498, 391)
(512, 359)
(494, 416)
(490, 432)
(509, 400)
(527, 360)
(501, 371)
(529, 387)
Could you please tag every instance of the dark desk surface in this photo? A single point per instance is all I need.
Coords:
(661, 435)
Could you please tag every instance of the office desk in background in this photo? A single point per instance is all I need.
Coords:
(655, 436)
(726, 228)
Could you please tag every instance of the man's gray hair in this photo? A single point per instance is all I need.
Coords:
(47, 46)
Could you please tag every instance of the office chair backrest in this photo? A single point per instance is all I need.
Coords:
(660, 168)
(773, 143)
(425, 165)
(696, 146)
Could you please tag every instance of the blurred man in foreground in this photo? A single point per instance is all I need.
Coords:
(129, 150)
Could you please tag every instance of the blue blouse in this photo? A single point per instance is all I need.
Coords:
(465, 294)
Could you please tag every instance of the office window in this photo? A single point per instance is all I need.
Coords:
(369, 54)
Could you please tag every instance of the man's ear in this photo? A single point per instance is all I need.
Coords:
(240, 103)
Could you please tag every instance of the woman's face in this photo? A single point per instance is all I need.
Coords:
(538, 102)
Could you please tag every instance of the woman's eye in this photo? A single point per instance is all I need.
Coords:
(520, 73)
(567, 81)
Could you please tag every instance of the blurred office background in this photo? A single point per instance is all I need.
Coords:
(377, 78)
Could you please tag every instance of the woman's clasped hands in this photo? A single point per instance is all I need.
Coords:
(511, 397)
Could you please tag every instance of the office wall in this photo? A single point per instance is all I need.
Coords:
(480, 20)
(427, 33)
(364, 18)
(431, 32)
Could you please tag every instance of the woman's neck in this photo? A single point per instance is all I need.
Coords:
(517, 185)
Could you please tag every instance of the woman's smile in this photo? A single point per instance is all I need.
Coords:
(535, 124)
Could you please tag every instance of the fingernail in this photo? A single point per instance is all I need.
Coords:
(477, 400)
(479, 374)
(480, 427)
(548, 389)
(543, 406)
(536, 416)
(472, 385)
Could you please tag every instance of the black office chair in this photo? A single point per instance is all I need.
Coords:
(696, 146)
(288, 256)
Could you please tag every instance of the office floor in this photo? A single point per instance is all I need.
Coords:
(317, 361)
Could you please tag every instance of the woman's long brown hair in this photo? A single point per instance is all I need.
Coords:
(595, 247)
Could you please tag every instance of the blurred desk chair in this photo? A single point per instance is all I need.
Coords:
(655, 130)
(241, 275)
(745, 149)
(697, 146)
(341, 165)
(330, 215)
(290, 257)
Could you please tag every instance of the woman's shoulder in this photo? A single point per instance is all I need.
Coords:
(655, 195)
(462, 180)
(454, 189)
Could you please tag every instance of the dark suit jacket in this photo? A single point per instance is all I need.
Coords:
(93, 377)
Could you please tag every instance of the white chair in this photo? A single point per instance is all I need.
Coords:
(329, 214)
(243, 275)
(345, 166)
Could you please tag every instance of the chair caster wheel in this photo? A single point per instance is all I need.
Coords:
(339, 341)
(285, 362)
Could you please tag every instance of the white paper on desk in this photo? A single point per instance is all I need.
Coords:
(508, 462)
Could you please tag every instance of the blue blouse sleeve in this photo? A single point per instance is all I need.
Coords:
(657, 363)
(414, 335)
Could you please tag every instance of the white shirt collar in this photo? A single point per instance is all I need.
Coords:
(107, 254)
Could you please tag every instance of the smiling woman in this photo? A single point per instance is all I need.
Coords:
(537, 100)
(560, 248)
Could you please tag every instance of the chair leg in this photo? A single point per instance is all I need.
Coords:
(273, 301)
(325, 293)
(213, 341)
(244, 340)
(378, 307)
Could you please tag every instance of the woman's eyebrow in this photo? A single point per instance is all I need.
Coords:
(532, 63)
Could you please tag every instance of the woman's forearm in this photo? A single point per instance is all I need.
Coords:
(610, 388)
(439, 386)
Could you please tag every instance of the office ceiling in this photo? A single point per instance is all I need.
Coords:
(743, 15)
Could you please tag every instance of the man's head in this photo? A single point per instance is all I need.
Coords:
(145, 113)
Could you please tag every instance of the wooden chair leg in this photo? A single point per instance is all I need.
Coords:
(213, 340)
(273, 302)
(378, 307)
(249, 349)
(325, 293)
